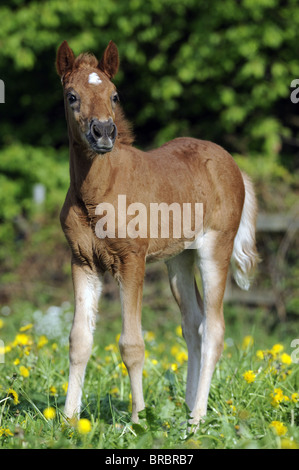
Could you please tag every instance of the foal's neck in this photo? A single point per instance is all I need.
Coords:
(89, 172)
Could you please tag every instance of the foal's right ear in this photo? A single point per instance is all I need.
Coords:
(64, 59)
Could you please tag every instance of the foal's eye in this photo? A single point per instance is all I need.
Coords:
(71, 98)
(115, 98)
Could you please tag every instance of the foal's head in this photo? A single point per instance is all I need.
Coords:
(90, 96)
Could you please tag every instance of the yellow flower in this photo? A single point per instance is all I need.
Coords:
(279, 428)
(21, 339)
(117, 337)
(149, 336)
(14, 394)
(84, 426)
(49, 413)
(5, 432)
(174, 350)
(16, 361)
(286, 359)
(276, 349)
(247, 342)
(42, 341)
(287, 443)
(65, 386)
(278, 397)
(260, 354)
(26, 327)
(53, 390)
(181, 357)
(174, 367)
(154, 362)
(24, 371)
(111, 347)
(1, 323)
(123, 369)
(179, 331)
(249, 376)
(294, 397)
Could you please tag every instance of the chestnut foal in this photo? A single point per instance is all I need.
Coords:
(104, 165)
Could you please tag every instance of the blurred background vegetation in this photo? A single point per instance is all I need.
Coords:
(217, 70)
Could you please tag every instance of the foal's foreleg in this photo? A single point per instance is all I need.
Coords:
(131, 343)
(87, 288)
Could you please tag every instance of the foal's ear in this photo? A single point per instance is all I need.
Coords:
(110, 61)
(64, 59)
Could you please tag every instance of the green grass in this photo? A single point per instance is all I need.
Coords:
(34, 374)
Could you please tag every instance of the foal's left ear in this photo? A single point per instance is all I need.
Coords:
(110, 61)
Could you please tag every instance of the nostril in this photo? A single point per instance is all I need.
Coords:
(96, 131)
(113, 133)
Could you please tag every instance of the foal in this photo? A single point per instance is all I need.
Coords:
(105, 166)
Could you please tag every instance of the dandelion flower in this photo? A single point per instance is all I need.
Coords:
(26, 327)
(117, 338)
(65, 386)
(49, 413)
(179, 331)
(1, 323)
(249, 376)
(5, 432)
(14, 394)
(149, 336)
(84, 426)
(111, 347)
(24, 371)
(174, 367)
(260, 354)
(286, 359)
(43, 340)
(278, 397)
(174, 350)
(181, 357)
(123, 369)
(276, 350)
(289, 444)
(53, 390)
(279, 428)
(295, 397)
(247, 342)
(21, 339)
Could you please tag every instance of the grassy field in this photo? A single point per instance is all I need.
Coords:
(254, 400)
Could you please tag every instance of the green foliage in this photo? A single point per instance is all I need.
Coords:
(21, 167)
(216, 70)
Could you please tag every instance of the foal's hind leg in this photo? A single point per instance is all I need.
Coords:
(184, 289)
(214, 258)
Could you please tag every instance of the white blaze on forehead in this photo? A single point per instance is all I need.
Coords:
(94, 79)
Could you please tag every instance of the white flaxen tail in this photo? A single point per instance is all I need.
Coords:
(245, 256)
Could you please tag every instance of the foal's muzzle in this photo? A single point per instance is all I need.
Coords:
(102, 135)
